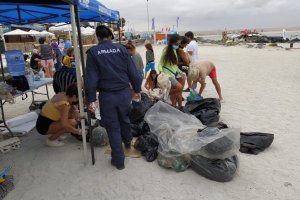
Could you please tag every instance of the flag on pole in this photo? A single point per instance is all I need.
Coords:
(177, 21)
(284, 34)
(153, 23)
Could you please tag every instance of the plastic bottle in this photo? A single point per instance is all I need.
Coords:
(42, 73)
(31, 75)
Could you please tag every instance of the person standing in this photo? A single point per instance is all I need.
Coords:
(150, 59)
(192, 49)
(58, 56)
(198, 72)
(137, 58)
(110, 70)
(47, 54)
(183, 61)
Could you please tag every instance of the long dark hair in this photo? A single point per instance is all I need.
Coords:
(170, 57)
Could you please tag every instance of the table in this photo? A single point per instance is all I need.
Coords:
(36, 85)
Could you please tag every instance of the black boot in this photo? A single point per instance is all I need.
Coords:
(119, 167)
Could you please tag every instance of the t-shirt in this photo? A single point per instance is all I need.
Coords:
(69, 61)
(193, 47)
(138, 61)
(168, 68)
(200, 70)
(46, 52)
(149, 56)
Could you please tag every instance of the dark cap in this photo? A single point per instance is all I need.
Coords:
(104, 32)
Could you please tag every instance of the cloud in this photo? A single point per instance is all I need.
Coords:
(209, 15)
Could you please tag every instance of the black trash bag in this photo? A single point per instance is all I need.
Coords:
(139, 128)
(206, 110)
(139, 109)
(218, 146)
(148, 145)
(220, 170)
(254, 142)
(220, 125)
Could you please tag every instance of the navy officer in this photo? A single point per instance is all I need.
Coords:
(110, 70)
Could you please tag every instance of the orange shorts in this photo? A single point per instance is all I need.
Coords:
(213, 73)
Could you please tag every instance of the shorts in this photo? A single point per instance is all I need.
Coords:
(213, 73)
(150, 66)
(45, 63)
(43, 124)
(173, 80)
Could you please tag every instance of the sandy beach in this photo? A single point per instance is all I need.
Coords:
(261, 90)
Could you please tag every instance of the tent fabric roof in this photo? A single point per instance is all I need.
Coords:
(54, 11)
(17, 32)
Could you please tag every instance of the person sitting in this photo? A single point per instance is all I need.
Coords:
(151, 81)
(198, 72)
(35, 60)
(169, 65)
(57, 116)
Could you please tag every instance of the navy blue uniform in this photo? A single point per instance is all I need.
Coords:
(110, 70)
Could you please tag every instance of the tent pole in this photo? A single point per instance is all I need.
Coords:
(119, 28)
(19, 14)
(2, 68)
(83, 72)
(79, 84)
(80, 40)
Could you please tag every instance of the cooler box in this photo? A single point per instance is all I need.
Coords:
(15, 62)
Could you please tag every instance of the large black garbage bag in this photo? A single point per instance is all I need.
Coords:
(254, 142)
(139, 109)
(220, 170)
(148, 145)
(139, 128)
(206, 110)
(224, 143)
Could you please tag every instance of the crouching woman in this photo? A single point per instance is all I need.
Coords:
(57, 117)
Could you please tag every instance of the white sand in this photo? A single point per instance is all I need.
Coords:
(261, 88)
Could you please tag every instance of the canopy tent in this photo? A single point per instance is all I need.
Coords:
(47, 33)
(54, 11)
(66, 27)
(17, 32)
(34, 33)
(33, 11)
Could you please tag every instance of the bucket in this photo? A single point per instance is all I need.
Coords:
(15, 62)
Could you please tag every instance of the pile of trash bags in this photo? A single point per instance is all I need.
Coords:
(193, 138)
(184, 141)
(206, 110)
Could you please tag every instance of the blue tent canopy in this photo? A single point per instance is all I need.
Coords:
(30, 11)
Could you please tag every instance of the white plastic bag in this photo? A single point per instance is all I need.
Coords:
(180, 132)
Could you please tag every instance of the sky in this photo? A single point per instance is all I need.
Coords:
(200, 15)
